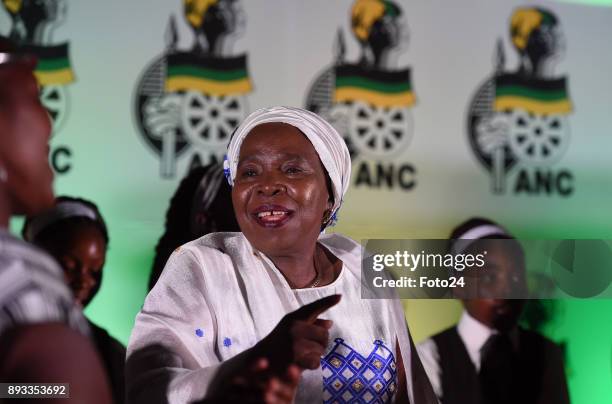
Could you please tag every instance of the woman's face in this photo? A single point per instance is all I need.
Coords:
(82, 258)
(280, 191)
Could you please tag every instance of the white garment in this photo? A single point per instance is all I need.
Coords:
(217, 297)
(33, 289)
(473, 334)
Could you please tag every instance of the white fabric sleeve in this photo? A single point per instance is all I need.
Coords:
(171, 353)
(428, 351)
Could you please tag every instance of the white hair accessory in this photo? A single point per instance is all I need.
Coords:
(463, 241)
(62, 210)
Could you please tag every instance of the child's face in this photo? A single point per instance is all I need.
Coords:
(494, 293)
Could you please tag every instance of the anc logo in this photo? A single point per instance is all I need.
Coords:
(188, 102)
(369, 102)
(517, 121)
(32, 25)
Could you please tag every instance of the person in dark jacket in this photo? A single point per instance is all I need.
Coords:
(487, 357)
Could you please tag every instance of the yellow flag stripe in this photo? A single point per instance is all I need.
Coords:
(344, 94)
(57, 77)
(177, 83)
(538, 107)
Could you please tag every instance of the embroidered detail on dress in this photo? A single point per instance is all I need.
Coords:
(227, 342)
(199, 332)
(349, 377)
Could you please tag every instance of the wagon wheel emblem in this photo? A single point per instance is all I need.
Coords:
(209, 120)
(55, 100)
(538, 139)
(380, 131)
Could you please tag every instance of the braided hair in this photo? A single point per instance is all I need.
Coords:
(188, 217)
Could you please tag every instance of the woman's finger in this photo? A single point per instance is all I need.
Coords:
(312, 332)
(292, 375)
(260, 364)
(280, 393)
(327, 324)
(311, 311)
(307, 354)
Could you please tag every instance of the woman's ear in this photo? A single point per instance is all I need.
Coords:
(328, 211)
(326, 215)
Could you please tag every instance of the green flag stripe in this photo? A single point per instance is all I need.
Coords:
(361, 82)
(44, 65)
(519, 91)
(217, 75)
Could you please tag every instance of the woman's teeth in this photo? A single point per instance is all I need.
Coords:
(271, 213)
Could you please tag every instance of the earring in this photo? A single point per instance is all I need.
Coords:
(3, 175)
(325, 217)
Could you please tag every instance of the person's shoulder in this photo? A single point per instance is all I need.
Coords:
(445, 332)
(215, 250)
(26, 269)
(428, 344)
(344, 248)
(340, 243)
(441, 337)
(105, 342)
(32, 288)
(212, 245)
(14, 250)
(537, 341)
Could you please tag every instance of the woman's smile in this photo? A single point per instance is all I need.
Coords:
(272, 215)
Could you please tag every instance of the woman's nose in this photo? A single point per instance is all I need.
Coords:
(271, 187)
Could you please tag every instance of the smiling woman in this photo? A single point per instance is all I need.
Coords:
(280, 292)
(281, 200)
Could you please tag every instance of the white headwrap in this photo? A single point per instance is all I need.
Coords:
(327, 142)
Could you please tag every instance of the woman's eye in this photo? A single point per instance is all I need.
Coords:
(248, 172)
(293, 170)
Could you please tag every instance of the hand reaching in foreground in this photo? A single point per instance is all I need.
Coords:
(300, 338)
(269, 372)
(257, 384)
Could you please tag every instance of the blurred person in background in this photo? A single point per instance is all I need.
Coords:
(202, 204)
(487, 358)
(43, 335)
(75, 234)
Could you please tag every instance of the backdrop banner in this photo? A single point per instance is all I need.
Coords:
(451, 109)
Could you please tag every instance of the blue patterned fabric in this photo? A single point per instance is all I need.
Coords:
(349, 377)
